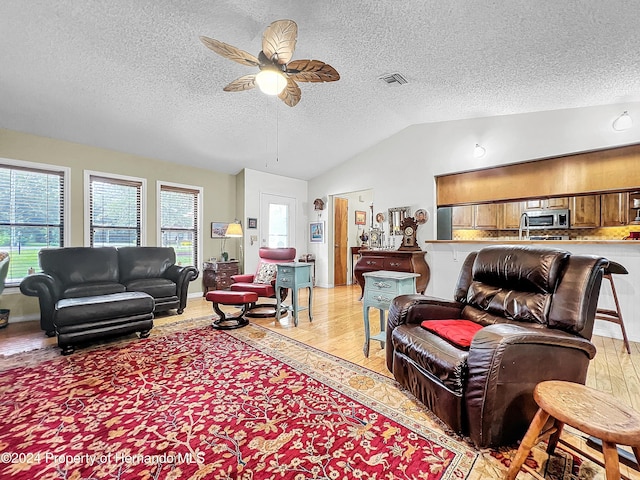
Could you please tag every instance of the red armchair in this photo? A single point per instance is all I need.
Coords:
(264, 280)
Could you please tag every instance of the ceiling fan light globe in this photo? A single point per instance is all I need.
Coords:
(271, 82)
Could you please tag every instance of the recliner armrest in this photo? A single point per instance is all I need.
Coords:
(243, 278)
(413, 309)
(506, 362)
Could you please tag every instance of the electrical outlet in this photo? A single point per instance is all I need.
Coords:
(253, 238)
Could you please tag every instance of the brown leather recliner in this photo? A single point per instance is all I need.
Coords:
(536, 308)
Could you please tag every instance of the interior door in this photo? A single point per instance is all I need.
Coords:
(279, 218)
(341, 241)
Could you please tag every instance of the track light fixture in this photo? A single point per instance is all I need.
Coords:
(479, 151)
(623, 122)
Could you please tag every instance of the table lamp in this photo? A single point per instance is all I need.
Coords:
(234, 230)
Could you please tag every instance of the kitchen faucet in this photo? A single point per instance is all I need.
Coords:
(524, 224)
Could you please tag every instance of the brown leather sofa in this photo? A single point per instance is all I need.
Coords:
(86, 274)
(535, 308)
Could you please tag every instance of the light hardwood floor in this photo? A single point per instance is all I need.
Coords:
(337, 328)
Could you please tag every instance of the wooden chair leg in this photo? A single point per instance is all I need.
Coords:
(611, 461)
(528, 442)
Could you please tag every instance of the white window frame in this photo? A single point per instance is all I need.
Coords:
(199, 226)
(66, 189)
(87, 206)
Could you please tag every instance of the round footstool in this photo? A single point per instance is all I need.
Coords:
(227, 297)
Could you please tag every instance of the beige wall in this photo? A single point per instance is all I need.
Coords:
(219, 194)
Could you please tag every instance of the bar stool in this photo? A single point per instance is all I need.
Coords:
(614, 316)
(590, 411)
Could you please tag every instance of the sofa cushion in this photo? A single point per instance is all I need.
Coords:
(80, 265)
(156, 287)
(92, 289)
(459, 332)
(434, 356)
(144, 262)
(262, 289)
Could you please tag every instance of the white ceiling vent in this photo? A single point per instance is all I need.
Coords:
(393, 79)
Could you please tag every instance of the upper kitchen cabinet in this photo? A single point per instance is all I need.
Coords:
(614, 209)
(585, 211)
(486, 216)
(509, 216)
(542, 203)
(462, 216)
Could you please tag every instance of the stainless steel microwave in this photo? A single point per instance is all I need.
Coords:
(548, 219)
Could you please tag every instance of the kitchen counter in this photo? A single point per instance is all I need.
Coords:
(445, 258)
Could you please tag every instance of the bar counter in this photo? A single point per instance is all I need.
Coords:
(445, 258)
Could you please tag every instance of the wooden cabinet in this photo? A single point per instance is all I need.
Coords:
(614, 209)
(217, 275)
(509, 215)
(395, 261)
(541, 203)
(585, 211)
(486, 216)
(462, 216)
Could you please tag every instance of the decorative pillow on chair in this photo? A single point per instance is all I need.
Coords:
(458, 332)
(266, 273)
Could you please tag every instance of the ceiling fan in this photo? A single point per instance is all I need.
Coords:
(278, 73)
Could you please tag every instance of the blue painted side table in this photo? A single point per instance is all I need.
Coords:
(294, 275)
(380, 288)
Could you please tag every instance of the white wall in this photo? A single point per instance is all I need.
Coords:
(400, 170)
(255, 184)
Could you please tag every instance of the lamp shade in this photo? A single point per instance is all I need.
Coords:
(270, 81)
(234, 230)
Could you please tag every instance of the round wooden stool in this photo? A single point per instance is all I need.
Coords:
(227, 297)
(590, 411)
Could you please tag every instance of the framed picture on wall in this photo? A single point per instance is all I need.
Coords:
(252, 223)
(316, 232)
(361, 217)
(219, 229)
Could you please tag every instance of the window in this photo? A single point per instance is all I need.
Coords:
(33, 206)
(179, 221)
(115, 210)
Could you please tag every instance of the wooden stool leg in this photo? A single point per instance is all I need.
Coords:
(611, 462)
(528, 442)
(553, 440)
(620, 321)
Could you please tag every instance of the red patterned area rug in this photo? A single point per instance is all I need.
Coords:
(197, 403)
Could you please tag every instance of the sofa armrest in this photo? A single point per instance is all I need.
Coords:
(48, 290)
(506, 362)
(243, 278)
(181, 276)
(413, 309)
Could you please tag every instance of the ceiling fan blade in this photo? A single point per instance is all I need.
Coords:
(279, 41)
(291, 93)
(230, 52)
(246, 82)
(312, 71)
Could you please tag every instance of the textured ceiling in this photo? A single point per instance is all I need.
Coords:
(132, 75)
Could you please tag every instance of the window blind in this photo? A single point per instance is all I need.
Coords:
(179, 222)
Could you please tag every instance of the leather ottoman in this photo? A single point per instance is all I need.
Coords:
(79, 320)
(227, 297)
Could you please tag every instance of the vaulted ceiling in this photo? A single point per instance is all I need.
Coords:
(133, 76)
